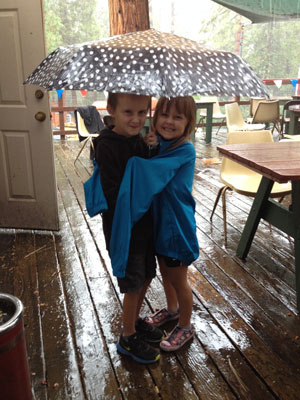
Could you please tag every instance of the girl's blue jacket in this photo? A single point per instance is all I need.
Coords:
(165, 181)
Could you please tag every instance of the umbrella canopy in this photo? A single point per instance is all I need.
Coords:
(149, 63)
(264, 10)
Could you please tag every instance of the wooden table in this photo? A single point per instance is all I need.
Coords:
(209, 117)
(294, 114)
(278, 162)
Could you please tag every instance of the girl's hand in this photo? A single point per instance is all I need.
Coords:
(151, 138)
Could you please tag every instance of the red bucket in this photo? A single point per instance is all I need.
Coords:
(14, 370)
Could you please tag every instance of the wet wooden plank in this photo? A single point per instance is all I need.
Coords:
(249, 300)
(210, 350)
(58, 344)
(7, 260)
(281, 265)
(26, 289)
(281, 379)
(113, 326)
(246, 322)
(216, 391)
(92, 350)
(132, 385)
(206, 380)
(238, 207)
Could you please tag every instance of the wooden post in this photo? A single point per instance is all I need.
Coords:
(237, 45)
(128, 16)
(61, 103)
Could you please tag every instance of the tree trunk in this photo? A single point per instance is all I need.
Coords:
(128, 16)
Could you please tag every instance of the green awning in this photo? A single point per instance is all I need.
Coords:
(264, 10)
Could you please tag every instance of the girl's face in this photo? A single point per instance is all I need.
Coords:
(171, 124)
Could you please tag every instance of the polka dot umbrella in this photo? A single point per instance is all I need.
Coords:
(150, 63)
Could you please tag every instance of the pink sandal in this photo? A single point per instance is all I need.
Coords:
(161, 317)
(177, 338)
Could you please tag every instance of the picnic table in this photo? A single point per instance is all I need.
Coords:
(276, 162)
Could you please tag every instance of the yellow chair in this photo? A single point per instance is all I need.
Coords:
(235, 120)
(289, 138)
(240, 179)
(84, 133)
(268, 111)
(217, 113)
(254, 103)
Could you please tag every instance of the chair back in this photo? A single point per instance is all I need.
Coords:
(267, 111)
(238, 137)
(216, 106)
(234, 117)
(83, 132)
(254, 101)
(285, 114)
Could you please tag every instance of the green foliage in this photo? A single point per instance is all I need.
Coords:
(74, 21)
(270, 48)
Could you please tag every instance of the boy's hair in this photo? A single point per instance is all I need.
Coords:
(183, 105)
(112, 99)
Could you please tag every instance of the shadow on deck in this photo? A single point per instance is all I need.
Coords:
(245, 317)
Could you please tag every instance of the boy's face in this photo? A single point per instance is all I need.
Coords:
(130, 114)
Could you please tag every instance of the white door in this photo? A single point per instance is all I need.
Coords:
(28, 196)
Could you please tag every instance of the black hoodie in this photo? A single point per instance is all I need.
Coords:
(112, 151)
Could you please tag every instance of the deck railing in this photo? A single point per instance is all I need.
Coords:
(68, 128)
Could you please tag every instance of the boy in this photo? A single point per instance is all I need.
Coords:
(113, 148)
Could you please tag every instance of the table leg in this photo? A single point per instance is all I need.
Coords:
(254, 217)
(209, 117)
(296, 219)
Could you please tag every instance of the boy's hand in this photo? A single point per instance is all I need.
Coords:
(151, 139)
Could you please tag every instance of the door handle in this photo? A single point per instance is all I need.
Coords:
(40, 116)
(39, 94)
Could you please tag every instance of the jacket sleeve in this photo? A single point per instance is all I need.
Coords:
(110, 171)
(94, 197)
(143, 179)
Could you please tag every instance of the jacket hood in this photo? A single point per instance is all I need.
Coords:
(165, 144)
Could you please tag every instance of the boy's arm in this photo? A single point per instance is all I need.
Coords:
(110, 171)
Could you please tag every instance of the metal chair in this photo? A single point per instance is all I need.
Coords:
(217, 113)
(235, 120)
(240, 179)
(284, 122)
(84, 133)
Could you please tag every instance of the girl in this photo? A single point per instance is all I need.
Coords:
(165, 181)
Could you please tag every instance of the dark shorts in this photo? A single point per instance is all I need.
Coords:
(141, 266)
(170, 262)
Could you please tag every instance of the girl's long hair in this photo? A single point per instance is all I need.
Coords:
(183, 105)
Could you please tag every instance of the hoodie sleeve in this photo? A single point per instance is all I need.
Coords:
(143, 179)
(94, 197)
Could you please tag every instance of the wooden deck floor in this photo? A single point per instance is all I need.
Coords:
(247, 342)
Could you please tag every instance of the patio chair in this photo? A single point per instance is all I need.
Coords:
(254, 101)
(267, 111)
(284, 123)
(217, 113)
(84, 135)
(235, 120)
(240, 179)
